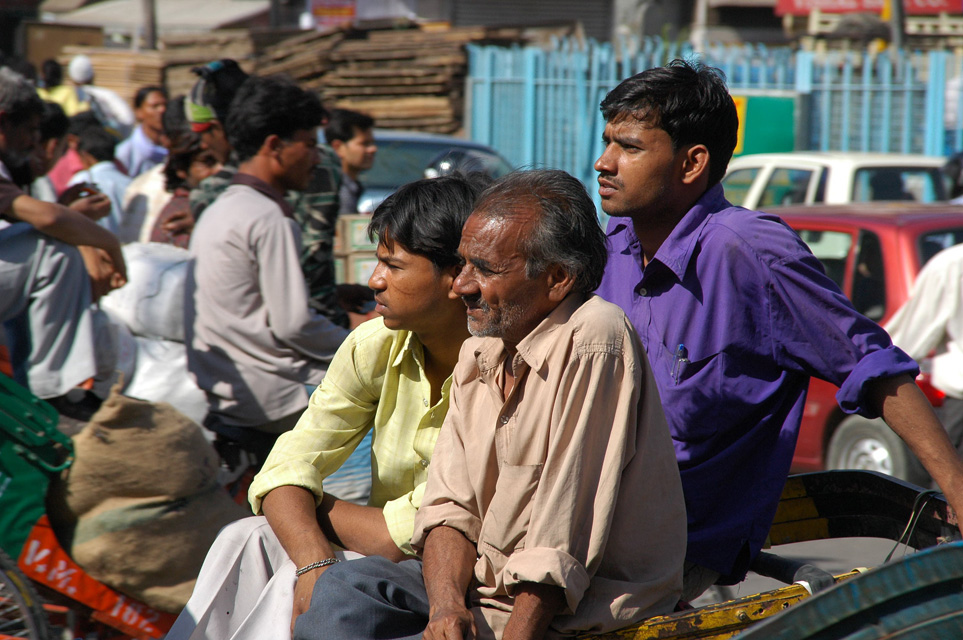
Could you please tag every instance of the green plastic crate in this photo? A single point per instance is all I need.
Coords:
(32, 450)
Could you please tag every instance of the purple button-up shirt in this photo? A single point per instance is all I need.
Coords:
(736, 314)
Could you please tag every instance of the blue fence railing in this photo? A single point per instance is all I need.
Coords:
(540, 106)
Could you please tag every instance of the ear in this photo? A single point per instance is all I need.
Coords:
(560, 283)
(695, 164)
(448, 275)
(272, 144)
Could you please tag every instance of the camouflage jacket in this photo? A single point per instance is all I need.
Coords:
(316, 211)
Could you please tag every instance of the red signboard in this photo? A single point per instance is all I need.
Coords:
(913, 7)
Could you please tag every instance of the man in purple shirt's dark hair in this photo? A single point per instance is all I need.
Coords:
(736, 315)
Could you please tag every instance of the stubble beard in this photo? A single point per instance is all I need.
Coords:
(498, 324)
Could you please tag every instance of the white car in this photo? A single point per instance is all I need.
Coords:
(766, 180)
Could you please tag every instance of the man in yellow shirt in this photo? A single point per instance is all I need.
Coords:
(391, 376)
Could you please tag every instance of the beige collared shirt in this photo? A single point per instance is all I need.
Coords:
(572, 481)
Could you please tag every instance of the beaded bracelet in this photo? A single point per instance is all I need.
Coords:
(315, 565)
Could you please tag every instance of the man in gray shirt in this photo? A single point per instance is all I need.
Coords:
(253, 342)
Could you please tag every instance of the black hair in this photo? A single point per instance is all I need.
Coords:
(566, 231)
(97, 142)
(222, 80)
(52, 73)
(689, 101)
(54, 123)
(953, 169)
(141, 96)
(183, 150)
(82, 121)
(175, 122)
(343, 122)
(267, 106)
(426, 216)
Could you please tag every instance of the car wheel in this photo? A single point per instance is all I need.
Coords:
(861, 443)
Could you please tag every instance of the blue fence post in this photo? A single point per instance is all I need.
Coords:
(935, 135)
(865, 117)
(530, 58)
(480, 82)
(886, 74)
(907, 130)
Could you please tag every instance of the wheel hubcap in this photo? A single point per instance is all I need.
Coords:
(870, 455)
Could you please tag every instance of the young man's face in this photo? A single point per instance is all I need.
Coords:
(358, 153)
(503, 302)
(203, 165)
(215, 139)
(638, 171)
(410, 291)
(151, 111)
(298, 157)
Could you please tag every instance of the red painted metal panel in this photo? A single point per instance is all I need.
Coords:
(913, 7)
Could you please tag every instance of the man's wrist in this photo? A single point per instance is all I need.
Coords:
(315, 565)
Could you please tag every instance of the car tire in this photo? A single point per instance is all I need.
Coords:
(861, 443)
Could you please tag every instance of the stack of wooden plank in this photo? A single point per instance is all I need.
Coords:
(183, 52)
(407, 78)
(121, 71)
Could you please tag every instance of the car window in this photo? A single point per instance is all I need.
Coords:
(932, 242)
(921, 184)
(737, 184)
(786, 186)
(832, 249)
(869, 281)
(399, 162)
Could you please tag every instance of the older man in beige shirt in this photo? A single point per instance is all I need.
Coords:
(553, 505)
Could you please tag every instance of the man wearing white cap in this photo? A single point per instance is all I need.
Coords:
(112, 110)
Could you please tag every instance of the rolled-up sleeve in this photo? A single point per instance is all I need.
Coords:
(574, 504)
(449, 497)
(338, 416)
(815, 329)
(400, 517)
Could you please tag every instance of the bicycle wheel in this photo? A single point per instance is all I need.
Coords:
(21, 612)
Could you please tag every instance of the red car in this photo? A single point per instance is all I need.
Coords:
(873, 252)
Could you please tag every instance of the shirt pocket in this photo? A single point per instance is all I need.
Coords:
(510, 511)
(692, 385)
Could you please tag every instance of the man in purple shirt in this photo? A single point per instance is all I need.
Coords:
(735, 314)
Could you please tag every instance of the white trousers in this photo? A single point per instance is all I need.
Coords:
(245, 590)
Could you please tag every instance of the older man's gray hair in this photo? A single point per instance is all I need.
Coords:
(18, 97)
(566, 231)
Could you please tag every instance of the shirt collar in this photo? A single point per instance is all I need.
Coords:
(264, 188)
(677, 250)
(413, 346)
(4, 172)
(533, 348)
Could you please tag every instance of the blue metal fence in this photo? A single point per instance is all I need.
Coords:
(539, 107)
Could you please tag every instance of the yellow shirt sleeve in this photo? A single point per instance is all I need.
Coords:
(339, 414)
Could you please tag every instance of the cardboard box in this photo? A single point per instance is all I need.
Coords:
(354, 233)
(359, 267)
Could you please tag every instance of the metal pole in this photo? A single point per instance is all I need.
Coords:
(897, 23)
(150, 24)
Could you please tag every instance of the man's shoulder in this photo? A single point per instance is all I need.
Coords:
(598, 324)
(737, 234)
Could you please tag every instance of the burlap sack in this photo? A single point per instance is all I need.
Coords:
(140, 506)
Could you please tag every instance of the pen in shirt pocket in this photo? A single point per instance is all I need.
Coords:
(679, 360)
